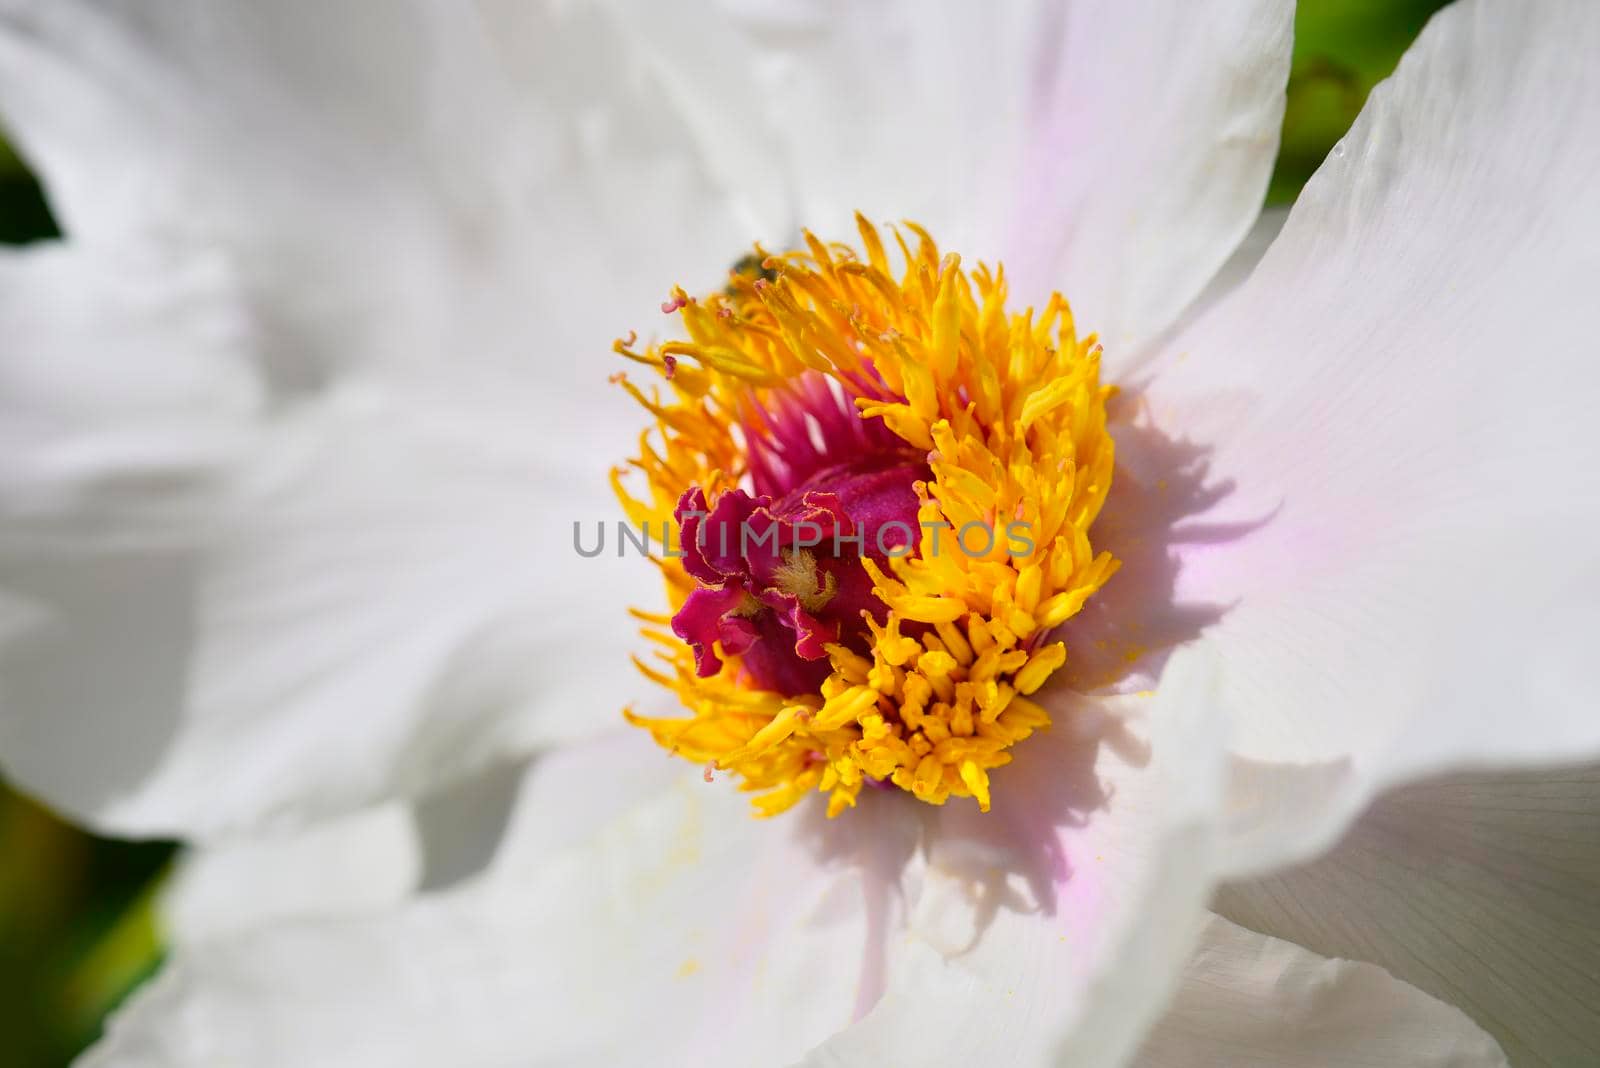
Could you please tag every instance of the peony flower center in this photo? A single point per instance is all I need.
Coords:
(882, 484)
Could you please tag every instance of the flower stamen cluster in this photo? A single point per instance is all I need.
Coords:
(832, 389)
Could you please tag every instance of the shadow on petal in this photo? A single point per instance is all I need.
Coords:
(1015, 856)
(882, 837)
(89, 741)
(1152, 522)
(1012, 858)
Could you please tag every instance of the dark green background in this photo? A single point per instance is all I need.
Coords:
(76, 924)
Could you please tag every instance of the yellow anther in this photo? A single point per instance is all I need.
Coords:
(781, 727)
(926, 777)
(1040, 666)
(977, 781)
(955, 643)
(846, 707)
(929, 609)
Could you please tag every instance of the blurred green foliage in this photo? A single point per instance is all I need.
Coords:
(76, 926)
(77, 930)
(24, 215)
(1342, 48)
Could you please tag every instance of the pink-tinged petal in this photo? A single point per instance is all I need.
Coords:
(1051, 929)
(1121, 637)
(1114, 151)
(1482, 890)
(1249, 1001)
(1393, 424)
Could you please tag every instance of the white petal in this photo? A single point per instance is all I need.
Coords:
(1249, 1001)
(399, 186)
(387, 599)
(1483, 890)
(1109, 151)
(1393, 419)
(369, 613)
(125, 397)
(92, 435)
(1239, 266)
(290, 137)
(657, 922)
(1050, 930)
(346, 867)
(94, 90)
(397, 603)
(678, 930)
(1149, 160)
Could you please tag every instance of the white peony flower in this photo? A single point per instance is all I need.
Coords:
(299, 416)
